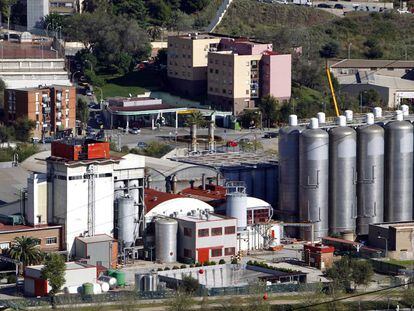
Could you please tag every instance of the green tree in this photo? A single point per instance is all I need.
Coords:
(82, 112)
(189, 284)
(154, 32)
(23, 128)
(26, 250)
(191, 6)
(329, 50)
(371, 98)
(180, 302)
(159, 11)
(6, 9)
(250, 118)
(6, 134)
(54, 272)
(196, 118)
(362, 272)
(133, 9)
(270, 108)
(154, 149)
(180, 22)
(408, 296)
(91, 6)
(161, 58)
(53, 21)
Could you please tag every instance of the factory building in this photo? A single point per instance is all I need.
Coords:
(83, 189)
(206, 237)
(395, 238)
(100, 250)
(332, 178)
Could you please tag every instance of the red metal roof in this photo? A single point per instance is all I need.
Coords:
(212, 193)
(154, 197)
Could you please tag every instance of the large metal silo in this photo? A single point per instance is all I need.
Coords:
(126, 221)
(398, 205)
(119, 189)
(342, 178)
(289, 171)
(313, 180)
(370, 168)
(166, 240)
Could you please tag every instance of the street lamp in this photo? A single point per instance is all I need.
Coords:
(386, 244)
(73, 75)
(349, 50)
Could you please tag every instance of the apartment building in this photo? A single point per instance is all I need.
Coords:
(236, 71)
(52, 108)
(187, 62)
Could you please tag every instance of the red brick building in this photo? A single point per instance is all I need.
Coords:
(52, 108)
(318, 255)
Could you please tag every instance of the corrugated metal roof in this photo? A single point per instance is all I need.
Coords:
(372, 63)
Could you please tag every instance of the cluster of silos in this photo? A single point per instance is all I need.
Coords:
(335, 179)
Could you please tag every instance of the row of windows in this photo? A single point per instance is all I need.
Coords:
(77, 177)
(230, 92)
(215, 252)
(48, 241)
(214, 231)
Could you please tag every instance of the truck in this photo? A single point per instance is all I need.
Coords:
(302, 2)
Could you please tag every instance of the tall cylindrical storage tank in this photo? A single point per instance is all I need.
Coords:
(236, 206)
(126, 220)
(166, 240)
(133, 191)
(289, 172)
(370, 167)
(342, 178)
(313, 180)
(398, 205)
(119, 189)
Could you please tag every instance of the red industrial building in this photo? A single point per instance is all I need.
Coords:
(76, 149)
(318, 255)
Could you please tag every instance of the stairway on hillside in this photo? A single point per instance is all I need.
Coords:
(219, 15)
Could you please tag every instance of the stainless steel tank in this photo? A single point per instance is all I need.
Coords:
(289, 172)
(166, 240)
(119, 189)
(342, 178)
(126, 221)
(314, 180)
(398, 205)
(370, 167)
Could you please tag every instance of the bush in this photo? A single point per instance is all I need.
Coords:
(11, 278)
(183, 266)
(189, 284)
(198, 264)
(234, 261)
(93, 79)
(213, 263)
(222, 262)
(159, 269)
(175, 268)
(192, 266)
(166, 269)
(125, 149)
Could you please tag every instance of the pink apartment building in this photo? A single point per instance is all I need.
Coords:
(234, 72)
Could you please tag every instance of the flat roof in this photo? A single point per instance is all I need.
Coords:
(40, 50)
(95, 239)
(71, 265)
(130, 99)
(372, 63)
(230, 159)
(21, 228)
(400, 224)
(196, 218)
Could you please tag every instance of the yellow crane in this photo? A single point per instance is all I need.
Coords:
(328, 74)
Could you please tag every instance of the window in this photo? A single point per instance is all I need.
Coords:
(216, 231)
(229, 251)
(203, 233)
(187, 253)
(224, 91)
(75, 177)
(230, 230)
(105, 175)
(216, 252)
(211, 70)
(247, 92)
(187, 232)
(217, 71)
(52, 240)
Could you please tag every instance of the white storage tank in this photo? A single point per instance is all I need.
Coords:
(109, 280)
(166, 240)
(126, 221)
(236, 203)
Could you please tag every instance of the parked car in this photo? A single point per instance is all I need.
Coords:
(270, 135)
(232, 143)
(338, 6)
(324, 5)
(244, 140)
(47, 140)
(90, 132)
(142, 144)
(88, 93)
(134, 131)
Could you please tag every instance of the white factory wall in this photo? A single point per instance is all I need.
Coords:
(36, 199)
(71, 201)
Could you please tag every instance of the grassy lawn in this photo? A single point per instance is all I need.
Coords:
(405, 263)
(137, 82)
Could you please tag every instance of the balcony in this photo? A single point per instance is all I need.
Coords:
(46, 110)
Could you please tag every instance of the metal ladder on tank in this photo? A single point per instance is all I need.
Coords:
(90, 175)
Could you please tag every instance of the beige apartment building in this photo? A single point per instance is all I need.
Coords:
(233, 80)
(187, 62)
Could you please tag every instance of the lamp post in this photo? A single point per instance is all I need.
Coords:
(73, 75)
(386, 244)
(349, 50)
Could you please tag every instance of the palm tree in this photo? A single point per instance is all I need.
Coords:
(26, 250)
(196, 118)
